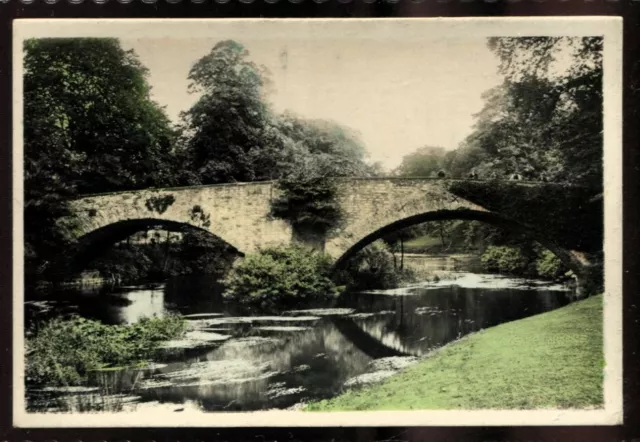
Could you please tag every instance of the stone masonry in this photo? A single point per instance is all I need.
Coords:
(239, 213)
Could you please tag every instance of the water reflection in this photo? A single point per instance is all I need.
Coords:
(279, 361)
(142, 303)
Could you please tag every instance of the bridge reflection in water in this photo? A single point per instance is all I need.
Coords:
(266, 362)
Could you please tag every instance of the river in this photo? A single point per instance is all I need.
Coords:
(232, 361)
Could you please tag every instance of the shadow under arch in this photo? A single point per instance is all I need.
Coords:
(567, 257)
(91, 245)
(363, 341)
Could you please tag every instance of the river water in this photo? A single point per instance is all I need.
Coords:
(232, 361)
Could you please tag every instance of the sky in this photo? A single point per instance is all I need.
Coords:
(397, 94)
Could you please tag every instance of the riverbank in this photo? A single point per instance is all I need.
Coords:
(552, 360)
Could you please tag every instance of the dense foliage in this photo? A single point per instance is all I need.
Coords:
(64, 351)
(160, 257)
(230, 133)
(550, 115)
(549, 266)
(90, 123)
(424, 162)
(523, 260)
(321, 152)
(373, 267)
(504, 259)
(543, 122)
(281, 277)
(310, 204)
(89, 126)
(556, 209)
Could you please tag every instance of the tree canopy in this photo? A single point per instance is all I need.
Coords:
(230, 133)
(543, 122)
(89, 120)
(89, 126)
(545, 119)
(423, 162)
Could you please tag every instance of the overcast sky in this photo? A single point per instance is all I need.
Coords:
(399, 96)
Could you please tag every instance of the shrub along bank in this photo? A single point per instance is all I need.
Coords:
(374, 267)
(281, 277)
(523, 261)
(551, 360)
(63, 351)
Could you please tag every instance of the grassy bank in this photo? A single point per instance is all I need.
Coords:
(552, 360)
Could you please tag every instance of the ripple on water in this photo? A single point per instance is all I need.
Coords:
(251, 341)
(474, 281)
(225, 371)
(203, 315)
(70, 389)
(239, 320)
(371, 314)
(195, 339)
(321, 312)
(279, 390)
(282, 328)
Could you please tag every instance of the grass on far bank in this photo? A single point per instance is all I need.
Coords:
(551, 360)
(422, 243)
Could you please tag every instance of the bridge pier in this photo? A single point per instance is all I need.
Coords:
(308, 238)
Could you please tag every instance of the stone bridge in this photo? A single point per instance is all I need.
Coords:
(565, 219)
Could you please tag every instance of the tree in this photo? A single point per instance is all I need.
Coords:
(423, 162)
(324, 148)
(319, 152)
(89, 119)
(230, 133)
(89, 126)
(545, 120)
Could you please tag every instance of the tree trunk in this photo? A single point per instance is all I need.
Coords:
(166, 252)
(401, 254)
(441, 233)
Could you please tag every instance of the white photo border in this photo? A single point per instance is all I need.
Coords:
(389, 28)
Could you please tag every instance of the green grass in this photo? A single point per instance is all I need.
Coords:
(422, 243)
(552, 360)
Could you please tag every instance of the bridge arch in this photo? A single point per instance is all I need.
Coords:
(92, 244)
(570, 259)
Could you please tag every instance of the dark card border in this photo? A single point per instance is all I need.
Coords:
(628, 9)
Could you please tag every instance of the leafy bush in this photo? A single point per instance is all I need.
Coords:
(373, 268)
(63, 351)
(523, 261)
(281, 276)
(309, 203)
(549, 265)
(504, 259)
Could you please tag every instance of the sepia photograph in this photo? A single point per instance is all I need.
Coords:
(317, 222)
